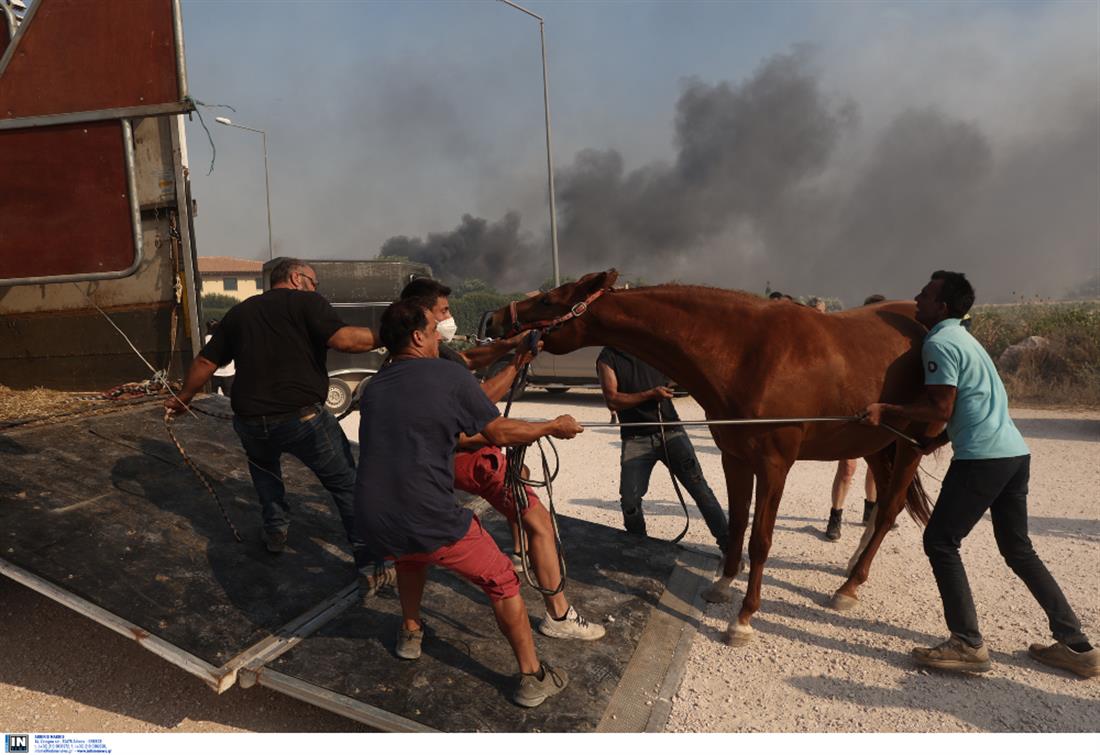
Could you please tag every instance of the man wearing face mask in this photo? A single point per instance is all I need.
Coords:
(279, 341)
(480, 469)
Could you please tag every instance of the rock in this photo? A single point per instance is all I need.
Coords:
(1012, 356)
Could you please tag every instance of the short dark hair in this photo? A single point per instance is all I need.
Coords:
(211, 326)
(400, 320)
(775, 295)
(874, 299)
(284, 267)
(956, 292)
(425, 288)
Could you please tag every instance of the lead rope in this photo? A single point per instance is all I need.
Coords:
(162, 378)
(517, 487)
(675, 484)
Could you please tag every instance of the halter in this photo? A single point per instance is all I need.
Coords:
(575, 311)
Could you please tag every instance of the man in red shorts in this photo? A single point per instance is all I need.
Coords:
(480, 469)
(412, 415)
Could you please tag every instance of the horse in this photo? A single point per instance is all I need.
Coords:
(743, 357)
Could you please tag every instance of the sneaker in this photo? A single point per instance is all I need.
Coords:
(373, 579)
(832, 530)
(953, 655)
(1086, 665)
(533, 691)
(275, 540)
(517, 563)
(408, 643)
(572, 627)
(634, 522)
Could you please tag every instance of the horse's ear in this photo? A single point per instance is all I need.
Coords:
(595, 281)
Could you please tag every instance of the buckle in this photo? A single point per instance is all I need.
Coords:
(579, 308)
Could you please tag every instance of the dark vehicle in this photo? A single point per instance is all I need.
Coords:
(360, 290)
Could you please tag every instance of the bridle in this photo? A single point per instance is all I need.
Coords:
(546, 326)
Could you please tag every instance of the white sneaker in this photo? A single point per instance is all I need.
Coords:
(517, 563)
(572, 627)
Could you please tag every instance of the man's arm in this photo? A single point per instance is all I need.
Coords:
(504, 431)
(353, 339)
(617, 401)
(483, 356)
(935, 406)
(202, 369)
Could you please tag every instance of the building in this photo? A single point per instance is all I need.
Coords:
(231, 276)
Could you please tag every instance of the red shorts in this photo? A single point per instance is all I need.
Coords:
(476, 558)
(482, 472)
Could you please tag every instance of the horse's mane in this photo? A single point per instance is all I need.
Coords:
(694, 290)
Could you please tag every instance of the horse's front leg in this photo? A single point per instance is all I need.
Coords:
(889, 505)
(769, 490)
(739, 491)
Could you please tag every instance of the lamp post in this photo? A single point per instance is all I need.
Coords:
(549, 150)
(267, 178)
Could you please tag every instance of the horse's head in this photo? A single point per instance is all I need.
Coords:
(548, 310)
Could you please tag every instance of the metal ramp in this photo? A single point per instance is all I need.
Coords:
(100, 514)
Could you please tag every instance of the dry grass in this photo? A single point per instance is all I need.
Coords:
(19, 405)
(1067, 373)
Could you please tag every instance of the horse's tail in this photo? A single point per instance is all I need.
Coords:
(917, 501)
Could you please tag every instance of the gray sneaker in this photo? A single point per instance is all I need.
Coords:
(532, 691)
(953, 655)
(1085, 665)
(275, 541)
(408, 643)
(571, 627)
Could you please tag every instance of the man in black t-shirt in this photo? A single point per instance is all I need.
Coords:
(413, 413)
(279, 341)
(635, 390)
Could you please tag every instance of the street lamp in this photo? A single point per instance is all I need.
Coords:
(549, 151)
(267, 178)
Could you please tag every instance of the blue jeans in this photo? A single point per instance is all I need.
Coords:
(641, 453)
(321, 445)
(971, 487)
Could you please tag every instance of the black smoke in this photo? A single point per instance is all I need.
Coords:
(777, 179)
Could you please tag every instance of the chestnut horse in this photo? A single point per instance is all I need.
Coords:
(744, 357)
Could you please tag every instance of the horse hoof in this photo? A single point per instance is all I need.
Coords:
(717, 594)
(739, 635)
(842, 602)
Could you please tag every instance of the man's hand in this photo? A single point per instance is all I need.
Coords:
(873, 414)
(524, 353)
(565, 428)
(661, 392)
(177, 405)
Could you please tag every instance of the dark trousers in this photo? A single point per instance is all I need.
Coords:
(317, 442)
(969, 489)
(641, 453)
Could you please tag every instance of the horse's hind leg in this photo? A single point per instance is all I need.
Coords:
(880, 471)
(769, 491)
(739, 491)
(906, 462)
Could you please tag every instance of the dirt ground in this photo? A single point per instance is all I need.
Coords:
(808, 669)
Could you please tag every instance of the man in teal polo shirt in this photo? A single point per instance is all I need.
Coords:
(989, 471)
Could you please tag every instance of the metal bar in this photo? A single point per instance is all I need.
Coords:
(549, 156)
(330, 701)
(10, 52)
(181, 60)
(267, 192)
(766, 421)
(91, 116)
(705, 422)
(174, 655)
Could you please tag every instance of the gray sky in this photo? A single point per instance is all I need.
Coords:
(836, 149)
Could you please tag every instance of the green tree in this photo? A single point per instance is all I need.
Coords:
(214, 306)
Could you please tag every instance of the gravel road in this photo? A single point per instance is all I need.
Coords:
(808, 669)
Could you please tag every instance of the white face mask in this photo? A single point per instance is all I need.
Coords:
(447, 328)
